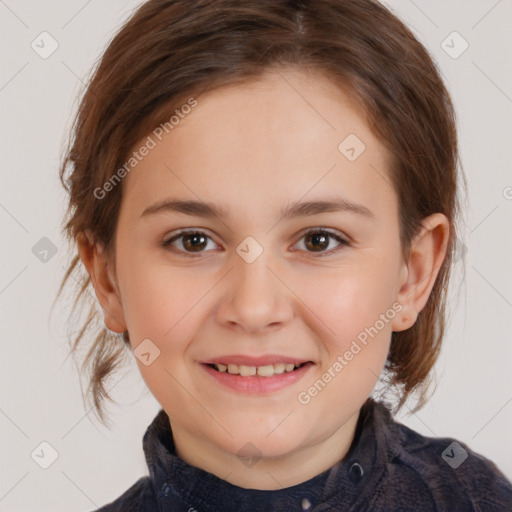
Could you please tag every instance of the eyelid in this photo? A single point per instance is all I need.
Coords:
(318, 229)
(340, 238)
(182, 232)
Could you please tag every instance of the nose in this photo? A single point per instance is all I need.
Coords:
(255, 297)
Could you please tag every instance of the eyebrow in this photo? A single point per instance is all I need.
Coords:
(296, 209)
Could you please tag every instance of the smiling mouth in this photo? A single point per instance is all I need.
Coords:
(262, 371)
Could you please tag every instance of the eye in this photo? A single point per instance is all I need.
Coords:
(190, 242)
(318, 240)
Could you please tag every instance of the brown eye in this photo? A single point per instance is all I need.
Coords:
(194, 242)
(318, 241)
(188, 242)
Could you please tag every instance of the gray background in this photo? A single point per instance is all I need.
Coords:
(40, 390)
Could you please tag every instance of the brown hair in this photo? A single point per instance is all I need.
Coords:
(171, 50)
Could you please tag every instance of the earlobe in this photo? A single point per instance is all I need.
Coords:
(97, 265)
(419, 272)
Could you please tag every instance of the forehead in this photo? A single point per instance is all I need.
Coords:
(278, 139)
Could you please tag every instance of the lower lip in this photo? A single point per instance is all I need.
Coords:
(256, 384)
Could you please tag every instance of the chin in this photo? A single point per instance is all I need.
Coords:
(257, 444)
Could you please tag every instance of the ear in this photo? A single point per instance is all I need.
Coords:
(418, 274)
(98, 267)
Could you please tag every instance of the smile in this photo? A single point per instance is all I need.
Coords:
(268, 370)
(256, 380)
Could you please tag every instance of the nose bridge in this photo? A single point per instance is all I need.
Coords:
(255, 298)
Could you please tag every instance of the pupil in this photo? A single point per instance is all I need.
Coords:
(191, 241)
(317, 238)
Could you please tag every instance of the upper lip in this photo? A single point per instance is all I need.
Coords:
(255, 361)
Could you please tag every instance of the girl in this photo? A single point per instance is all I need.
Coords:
(264, 197)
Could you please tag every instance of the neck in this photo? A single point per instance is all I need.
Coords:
(266, 473)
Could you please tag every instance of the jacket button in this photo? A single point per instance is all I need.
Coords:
(167, 489)
(306, 504)
(308, 501)
(356, 472)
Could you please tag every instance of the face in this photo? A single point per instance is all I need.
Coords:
(263, 284)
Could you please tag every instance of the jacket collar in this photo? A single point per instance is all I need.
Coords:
(186, 487)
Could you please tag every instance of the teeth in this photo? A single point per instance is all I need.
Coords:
(246, 371)
(279, 368)
(263, 371)
(233, 369)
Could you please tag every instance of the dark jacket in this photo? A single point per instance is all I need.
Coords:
(389, 468)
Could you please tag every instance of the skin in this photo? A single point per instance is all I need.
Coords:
(253, 149)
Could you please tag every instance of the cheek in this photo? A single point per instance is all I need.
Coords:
(347, 300)
(158, 299)
(354, 312)
(162, 304)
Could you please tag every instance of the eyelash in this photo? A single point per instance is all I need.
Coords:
(181, 234)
